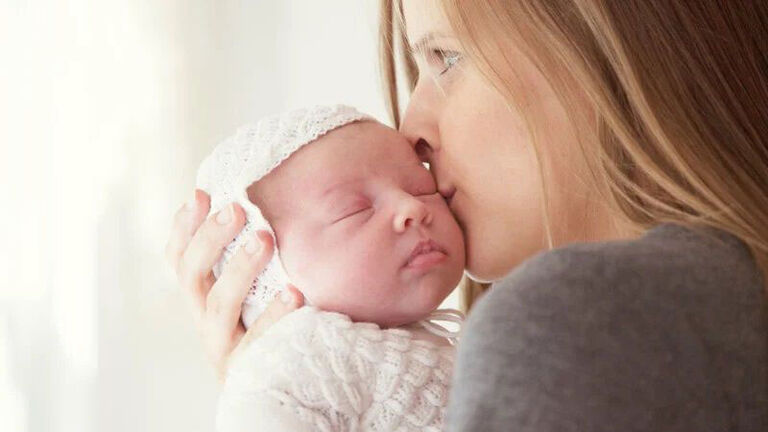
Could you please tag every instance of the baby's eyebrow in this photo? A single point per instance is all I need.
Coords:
(340, 185)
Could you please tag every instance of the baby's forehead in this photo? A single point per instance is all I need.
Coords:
(339, 161)
(361, 149)
(368, 141)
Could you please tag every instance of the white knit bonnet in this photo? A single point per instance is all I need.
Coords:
(247, 156)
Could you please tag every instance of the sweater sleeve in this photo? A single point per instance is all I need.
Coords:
(632, 337)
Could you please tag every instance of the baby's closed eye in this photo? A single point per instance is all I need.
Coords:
(355, 209)
(359, 212)
(424, 188)
(421, 182)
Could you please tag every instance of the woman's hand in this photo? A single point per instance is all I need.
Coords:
(194, 246)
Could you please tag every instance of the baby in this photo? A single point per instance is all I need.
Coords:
(362, 231)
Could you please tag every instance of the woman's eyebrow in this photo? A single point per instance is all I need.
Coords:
(425, 40)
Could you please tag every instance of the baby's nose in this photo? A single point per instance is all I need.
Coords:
(412, 211)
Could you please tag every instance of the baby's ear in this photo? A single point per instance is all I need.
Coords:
(251, 192)
(262, 192)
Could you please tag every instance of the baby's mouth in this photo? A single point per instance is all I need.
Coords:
(425, 253)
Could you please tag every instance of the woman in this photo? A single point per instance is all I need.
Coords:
(608, 162)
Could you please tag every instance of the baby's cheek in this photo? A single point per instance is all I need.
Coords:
(303, 258)
(365, 279)
(366, 272)
(356, 275)
(449, 231)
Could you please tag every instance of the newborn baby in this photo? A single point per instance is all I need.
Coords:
(362, 232)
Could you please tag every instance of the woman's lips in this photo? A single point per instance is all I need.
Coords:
(447, 194)
(425, 255)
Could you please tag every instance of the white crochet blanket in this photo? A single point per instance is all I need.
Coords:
(319, 371)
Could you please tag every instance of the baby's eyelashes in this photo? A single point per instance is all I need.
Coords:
(363, 209)
(353, 213)
(426, 192)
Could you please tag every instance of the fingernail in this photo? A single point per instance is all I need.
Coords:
(286, 297)
(225, 215)
(253, 245)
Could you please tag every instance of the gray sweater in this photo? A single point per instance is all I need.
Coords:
(668, 332)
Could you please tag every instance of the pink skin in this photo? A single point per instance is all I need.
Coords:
(361, 227)
(482, 155)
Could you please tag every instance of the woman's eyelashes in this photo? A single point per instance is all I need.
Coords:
(443, 60)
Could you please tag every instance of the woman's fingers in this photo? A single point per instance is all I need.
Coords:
(222, 325)
(194, 247)
(186, 221)
(220, 350)
(223, 303)
(204, 250)
(288, 301)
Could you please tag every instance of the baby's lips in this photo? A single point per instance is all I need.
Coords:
(422, 247)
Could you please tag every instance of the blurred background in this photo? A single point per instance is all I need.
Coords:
(106, 109)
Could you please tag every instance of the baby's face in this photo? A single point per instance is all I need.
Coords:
(360, 226)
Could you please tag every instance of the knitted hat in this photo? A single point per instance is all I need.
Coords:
(253, 152)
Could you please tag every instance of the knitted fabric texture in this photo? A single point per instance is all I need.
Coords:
(319, 371)
(247, 156)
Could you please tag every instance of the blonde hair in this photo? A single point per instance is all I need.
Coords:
(679, 89)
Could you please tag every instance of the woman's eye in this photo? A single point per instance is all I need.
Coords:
(447, 59)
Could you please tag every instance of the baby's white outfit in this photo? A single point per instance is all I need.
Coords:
(315, 370)
(318, 371)
(247, 156)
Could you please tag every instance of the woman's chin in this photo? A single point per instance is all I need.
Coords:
(474, 277)
(486, 274)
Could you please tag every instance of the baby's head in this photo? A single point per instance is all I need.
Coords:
(360, 226)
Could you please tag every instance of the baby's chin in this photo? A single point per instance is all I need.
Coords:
(412, 305)
(411, 301)
(427, 296)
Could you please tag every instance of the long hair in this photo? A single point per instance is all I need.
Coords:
(679, 88)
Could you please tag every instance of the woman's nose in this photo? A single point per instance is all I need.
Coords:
(411, 212)
(420, 123)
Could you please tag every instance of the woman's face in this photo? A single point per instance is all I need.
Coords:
(480, 152)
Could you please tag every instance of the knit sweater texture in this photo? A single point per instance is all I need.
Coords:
(319, 371)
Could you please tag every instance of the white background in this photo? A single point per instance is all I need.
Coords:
(106, 108)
